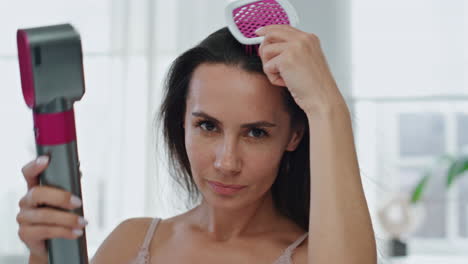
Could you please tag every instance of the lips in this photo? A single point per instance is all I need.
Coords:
(225, 189)
(227, 185)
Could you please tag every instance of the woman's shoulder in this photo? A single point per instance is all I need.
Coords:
(292, 234)
(124, 242)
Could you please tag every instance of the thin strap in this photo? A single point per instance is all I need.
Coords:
(286, 257)
(143, 254)
(150, 233)
(296, 243)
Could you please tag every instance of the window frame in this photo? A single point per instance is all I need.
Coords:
(387, 123)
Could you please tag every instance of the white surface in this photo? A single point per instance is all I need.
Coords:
(428, 259)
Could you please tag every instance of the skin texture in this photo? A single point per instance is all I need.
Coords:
(245, 227)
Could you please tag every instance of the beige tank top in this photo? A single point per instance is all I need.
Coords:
(143, 256)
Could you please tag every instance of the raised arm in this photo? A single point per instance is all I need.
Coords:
(339, 222)
(340, 229)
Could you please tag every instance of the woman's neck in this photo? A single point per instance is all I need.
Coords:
(223, 224)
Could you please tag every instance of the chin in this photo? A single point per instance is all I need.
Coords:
(226, 204)
(220, 198)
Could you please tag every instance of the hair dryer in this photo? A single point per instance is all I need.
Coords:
(52, 79)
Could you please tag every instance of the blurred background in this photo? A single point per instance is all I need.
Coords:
(402, 66)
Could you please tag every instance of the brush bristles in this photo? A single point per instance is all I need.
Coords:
(251, 49)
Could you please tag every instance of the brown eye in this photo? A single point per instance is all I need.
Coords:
(257, 133)
(207, 126)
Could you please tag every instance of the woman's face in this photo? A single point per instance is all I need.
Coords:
(236, 130)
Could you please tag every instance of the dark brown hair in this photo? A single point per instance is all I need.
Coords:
(291, 189)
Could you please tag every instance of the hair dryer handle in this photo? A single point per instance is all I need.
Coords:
(63, 172)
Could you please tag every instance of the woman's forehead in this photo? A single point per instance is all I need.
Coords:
(222, 86)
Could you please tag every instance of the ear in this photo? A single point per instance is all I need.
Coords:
(295, 137)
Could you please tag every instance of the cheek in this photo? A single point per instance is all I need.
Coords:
(263, 166)
(199, 152)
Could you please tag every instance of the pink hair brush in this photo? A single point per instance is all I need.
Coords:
(243, 17)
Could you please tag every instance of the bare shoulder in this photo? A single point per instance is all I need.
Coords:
(123, 243)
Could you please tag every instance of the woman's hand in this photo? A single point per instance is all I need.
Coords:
(294, 59)
(36, 223)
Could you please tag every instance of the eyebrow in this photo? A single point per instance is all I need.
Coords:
(248, 125)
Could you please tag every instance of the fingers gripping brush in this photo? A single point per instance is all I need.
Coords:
(243, 17)
(50, 60)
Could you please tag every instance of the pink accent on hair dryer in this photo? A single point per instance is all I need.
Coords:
(25, 63)
(55, 128)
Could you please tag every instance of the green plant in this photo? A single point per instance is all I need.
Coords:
(457, 166)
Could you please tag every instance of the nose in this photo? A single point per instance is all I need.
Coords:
(228, 160)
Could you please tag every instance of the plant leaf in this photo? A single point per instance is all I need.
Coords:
(420, 187)
(418, 191)
(457, 168)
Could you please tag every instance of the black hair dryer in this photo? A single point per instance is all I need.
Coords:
(52, 79)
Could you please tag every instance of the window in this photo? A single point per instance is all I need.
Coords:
(411, 105)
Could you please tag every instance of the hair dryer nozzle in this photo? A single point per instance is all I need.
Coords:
(50, 60)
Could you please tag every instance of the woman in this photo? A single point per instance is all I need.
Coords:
(264, 146)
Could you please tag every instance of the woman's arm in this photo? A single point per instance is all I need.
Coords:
(340, 229)
(339, 223)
